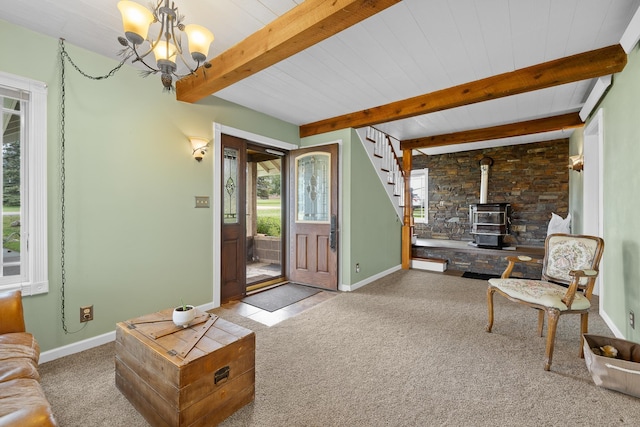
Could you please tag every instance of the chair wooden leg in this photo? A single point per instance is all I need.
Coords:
(541, 314)
(553, 315)
(490, 292)
(584, 328)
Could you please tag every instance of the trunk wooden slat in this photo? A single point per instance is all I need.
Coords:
(213, 380)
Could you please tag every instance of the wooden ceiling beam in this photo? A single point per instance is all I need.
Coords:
(303, 26)
(530, 127)
(592, 64)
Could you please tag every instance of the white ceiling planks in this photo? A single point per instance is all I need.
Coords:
(472, 39)
(440, 29)
(412, 48)
(493, 19)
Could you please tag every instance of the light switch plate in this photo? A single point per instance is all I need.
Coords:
(202, 201)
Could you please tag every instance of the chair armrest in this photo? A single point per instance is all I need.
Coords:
(583, 273)
(576, 275)
(517, 259)
(11, 314)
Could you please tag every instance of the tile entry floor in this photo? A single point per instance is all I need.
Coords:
(271, 318)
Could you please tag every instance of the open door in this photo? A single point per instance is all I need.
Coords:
(232, 251)
(313, 219)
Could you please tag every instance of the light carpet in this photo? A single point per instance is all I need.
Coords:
(407, 350)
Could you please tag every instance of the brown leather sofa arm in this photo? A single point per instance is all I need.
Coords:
(11, 314)
(38, 417)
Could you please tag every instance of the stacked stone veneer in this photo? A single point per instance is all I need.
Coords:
(533, 178)
(267, 249)
(480, 260)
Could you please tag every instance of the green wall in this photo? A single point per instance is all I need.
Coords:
(621, 262)
(370, 231)
(134, 242)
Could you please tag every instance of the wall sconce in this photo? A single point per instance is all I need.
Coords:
(576, 163)
(200, 146)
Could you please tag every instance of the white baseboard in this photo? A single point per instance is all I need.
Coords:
(429, 264)
(77, 347)
(610, 324)
(357, 285)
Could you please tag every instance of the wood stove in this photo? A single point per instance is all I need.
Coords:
(490, 223)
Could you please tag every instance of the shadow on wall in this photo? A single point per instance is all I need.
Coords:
(631, 277)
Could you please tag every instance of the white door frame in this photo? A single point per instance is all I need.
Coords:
(218, 130)
(593, 196)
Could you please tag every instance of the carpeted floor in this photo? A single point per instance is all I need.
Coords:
(407, 350)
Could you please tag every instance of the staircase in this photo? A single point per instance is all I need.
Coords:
(384, 152)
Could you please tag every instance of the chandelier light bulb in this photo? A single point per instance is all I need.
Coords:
(136, 20)
(165, 51)
(199, 41)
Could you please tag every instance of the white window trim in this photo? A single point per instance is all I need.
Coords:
(35, 262)
(425, 194)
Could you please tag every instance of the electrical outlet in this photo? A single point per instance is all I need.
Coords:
(86, 313)
(357, 268)
(632, 320)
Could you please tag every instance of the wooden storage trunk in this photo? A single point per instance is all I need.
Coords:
(195, 376)
(621, 374)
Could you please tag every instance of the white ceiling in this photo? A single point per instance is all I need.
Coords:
(412, 48)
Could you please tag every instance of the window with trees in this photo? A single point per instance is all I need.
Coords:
(23, 261)
(420, 195)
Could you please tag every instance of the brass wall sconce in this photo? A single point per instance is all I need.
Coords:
(576, 163)
(200, 147)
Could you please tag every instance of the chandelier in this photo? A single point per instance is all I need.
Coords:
(167, 46)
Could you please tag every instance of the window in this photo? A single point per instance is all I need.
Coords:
(23, 262)
(420, 195)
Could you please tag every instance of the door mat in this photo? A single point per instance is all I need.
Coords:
(480, 276)
(282, 296)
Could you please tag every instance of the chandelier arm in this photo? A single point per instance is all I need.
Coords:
(186, 64)
(177, 41)
(141, 59)
(157, 8)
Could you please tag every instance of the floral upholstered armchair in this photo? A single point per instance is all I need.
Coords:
(569, 272)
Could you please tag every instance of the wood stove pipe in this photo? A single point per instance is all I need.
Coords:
(485, 163)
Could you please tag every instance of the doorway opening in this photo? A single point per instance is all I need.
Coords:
(593, 208)
(266, 213)
(235, 209)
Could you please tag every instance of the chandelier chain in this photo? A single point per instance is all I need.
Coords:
(63, 173)
(106, 76)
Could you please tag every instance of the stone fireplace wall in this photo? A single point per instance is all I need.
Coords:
(533, 178)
